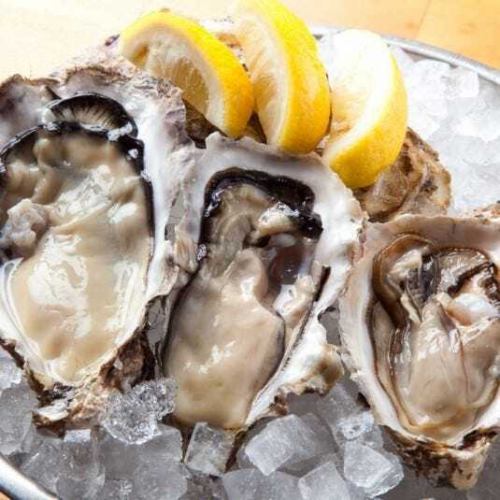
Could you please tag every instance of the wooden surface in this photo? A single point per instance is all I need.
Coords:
(36, 35)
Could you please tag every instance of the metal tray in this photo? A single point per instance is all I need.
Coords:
(17, 486)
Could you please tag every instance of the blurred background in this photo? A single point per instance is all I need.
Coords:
(36, 35)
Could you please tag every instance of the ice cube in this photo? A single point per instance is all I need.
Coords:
(321, 438)
(157, 396)
(33, 440)
(284, 441)
(356, 425)
(153, 467)
(16, 406)
(420, 121)
(81, 474)
(462, 83)
(201, 486)
(374, 471)
(468, 137)
(483, 121)
(356, 493)
(339, 403)
(165, 480)
(74, 488)
(121, 460)
(132, 417)
(429, 74)
(126, 419)
(300, 469)
(427, 83)
(117, 489)
(372, 437)
(474, 166)
(209, 449)
(324, 483)
(10, 374)
(43, 465)
(326, 449)
(346, 418)
(301, 405)
(250, 484)
(166, 446)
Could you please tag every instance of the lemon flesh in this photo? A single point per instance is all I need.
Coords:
(211, 77)
(290, 82)
(369, 108)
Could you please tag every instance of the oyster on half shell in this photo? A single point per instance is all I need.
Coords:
(91, 167)
(420, 324)
(266, 243)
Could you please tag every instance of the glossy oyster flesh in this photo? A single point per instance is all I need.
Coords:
(420, 323)
(76, 243)
(86, 193)
(266, 244)
(415, 184)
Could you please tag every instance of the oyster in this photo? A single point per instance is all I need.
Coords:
(266, 244)
(87, 184)
(420, 324)
(416, 183)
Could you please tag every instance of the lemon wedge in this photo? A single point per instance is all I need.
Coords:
(369, 108)
(211, 77)
(290, 83)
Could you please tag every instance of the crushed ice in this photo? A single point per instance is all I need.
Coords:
(327, 448)
(459, 115)
(132, 417)
(209, 449)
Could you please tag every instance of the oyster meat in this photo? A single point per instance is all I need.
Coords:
(265, 243)
(76, 232)
(90, 168)
(420, 323)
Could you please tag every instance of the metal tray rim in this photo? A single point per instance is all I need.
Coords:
(430, 51)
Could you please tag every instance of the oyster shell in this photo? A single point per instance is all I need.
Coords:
(266, 243)
(91, 167)
(420, 324)
(415, 184)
